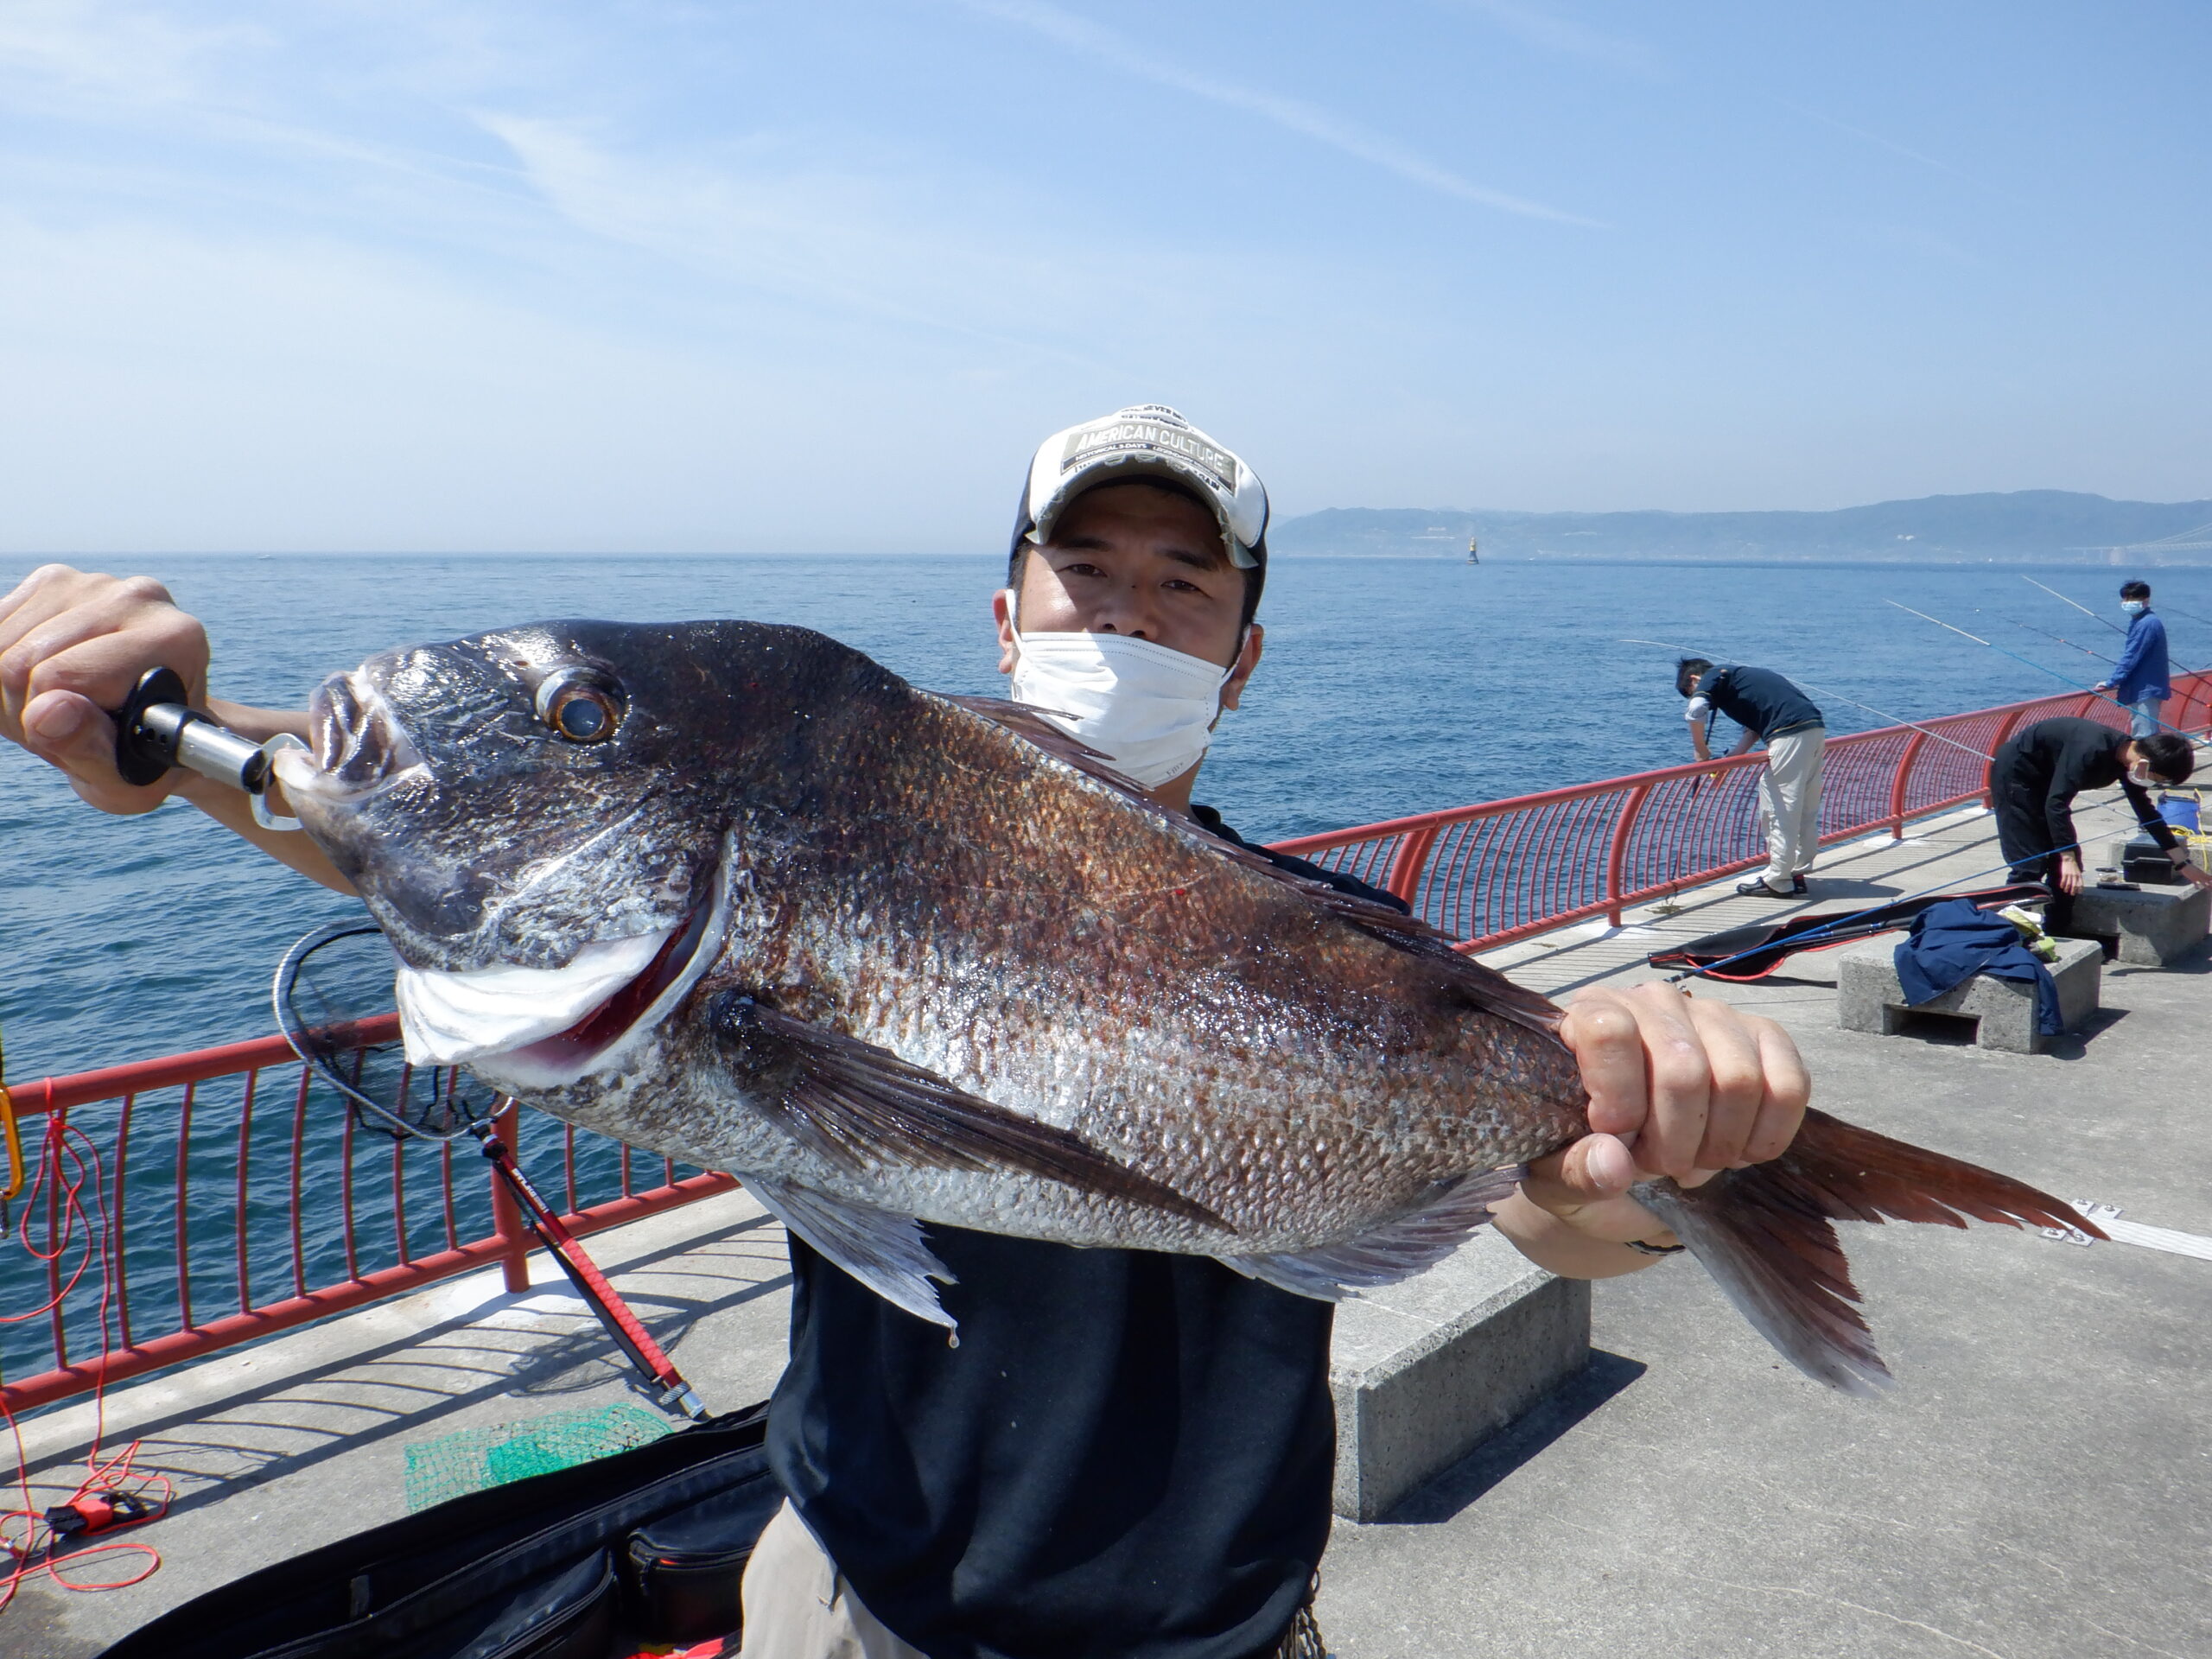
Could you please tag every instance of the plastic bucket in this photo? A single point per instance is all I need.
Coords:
(2180, 810)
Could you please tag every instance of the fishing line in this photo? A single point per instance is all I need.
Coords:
(2062, 639)
(2169, 609)
(1895, 720)
(1979, 754)
(2076, 604)
(2086, 690)
(113, 1493)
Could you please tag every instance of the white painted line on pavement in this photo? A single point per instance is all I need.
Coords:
(2107, 1216)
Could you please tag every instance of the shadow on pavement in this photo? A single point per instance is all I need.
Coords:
(1466, 1481)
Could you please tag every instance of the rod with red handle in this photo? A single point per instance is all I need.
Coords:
(631, 1337)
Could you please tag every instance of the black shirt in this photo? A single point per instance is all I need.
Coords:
(2043, 767)
(1759, 700)
(1129, 1454)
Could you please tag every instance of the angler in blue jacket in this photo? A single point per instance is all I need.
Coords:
(2139, 680)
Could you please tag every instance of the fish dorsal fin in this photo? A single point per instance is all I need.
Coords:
(882, 1251)
(1399, 1249)
(855, 1104)
(1485, 988)
(1027, 719)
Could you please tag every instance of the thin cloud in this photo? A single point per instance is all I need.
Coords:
(1892, 145)
(1294, 115)
(1563, 34)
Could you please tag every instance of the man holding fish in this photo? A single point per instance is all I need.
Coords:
(1126, 1450)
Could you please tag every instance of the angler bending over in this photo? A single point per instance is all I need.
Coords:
(2035, 776)
(1775, 713)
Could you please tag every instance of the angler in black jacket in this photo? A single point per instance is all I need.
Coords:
(2035, 776)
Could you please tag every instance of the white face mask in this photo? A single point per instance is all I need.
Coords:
(2141, 775)
(2133, 607)
(1149, 709)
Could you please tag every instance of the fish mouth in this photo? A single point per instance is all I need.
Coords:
(359, 746)
(530, 1029)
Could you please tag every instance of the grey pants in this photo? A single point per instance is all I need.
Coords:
(1789, 804)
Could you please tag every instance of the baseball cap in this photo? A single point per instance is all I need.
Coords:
(1145, 440)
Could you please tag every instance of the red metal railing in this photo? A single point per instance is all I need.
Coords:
(244, 1135)
(1490, 873)
(227, 1174)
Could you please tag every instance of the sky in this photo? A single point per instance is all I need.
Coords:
(479, 275)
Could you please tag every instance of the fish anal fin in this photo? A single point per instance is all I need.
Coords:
(855, 1104)
(882, 1251)
(1398, 1248)
(1767, 1233)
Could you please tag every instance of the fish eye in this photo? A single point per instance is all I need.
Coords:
(580, 706)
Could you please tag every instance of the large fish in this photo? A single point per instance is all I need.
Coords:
(737, 894)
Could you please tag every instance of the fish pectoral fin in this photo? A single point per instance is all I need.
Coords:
(855, 1104)
(882, 1251)
(1399, 1249)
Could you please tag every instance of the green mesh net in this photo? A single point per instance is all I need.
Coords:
(473, 1458)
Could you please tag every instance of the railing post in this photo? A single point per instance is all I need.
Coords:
(1996, 743)
(1899, 784)
(1406, 868)
(1617, 853)
(506, 1214)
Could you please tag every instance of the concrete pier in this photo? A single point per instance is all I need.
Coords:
(2032, 1489)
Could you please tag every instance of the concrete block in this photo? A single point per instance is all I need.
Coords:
(1869, 998)
(2152, 925)
(1425, 1371)
(2114, 857)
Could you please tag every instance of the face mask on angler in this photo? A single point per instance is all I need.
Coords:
(2133, 607)
(1149, 709)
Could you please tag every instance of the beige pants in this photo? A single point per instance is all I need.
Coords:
(1789, 804)
(798, 1606)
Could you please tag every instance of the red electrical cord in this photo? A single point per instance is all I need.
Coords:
(113, 1493)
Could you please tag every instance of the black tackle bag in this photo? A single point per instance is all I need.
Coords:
(644, 1548)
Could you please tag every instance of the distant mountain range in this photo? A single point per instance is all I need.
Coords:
(2055, 525)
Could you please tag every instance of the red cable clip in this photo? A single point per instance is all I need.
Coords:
(97, 1512)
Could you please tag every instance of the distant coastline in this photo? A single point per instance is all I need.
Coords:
(2023, 527)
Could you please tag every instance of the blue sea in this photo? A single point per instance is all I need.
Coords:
(1389, 686)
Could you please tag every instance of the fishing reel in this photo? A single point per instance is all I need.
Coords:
(155, 730)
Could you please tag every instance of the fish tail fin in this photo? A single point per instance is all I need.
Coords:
(1766, 1234)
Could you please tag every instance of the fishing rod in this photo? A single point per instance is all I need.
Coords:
(1667, 906)
(1895, 720)
(2090, 691)
(1708, 968)
(2076, 604)
(2062, 639)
